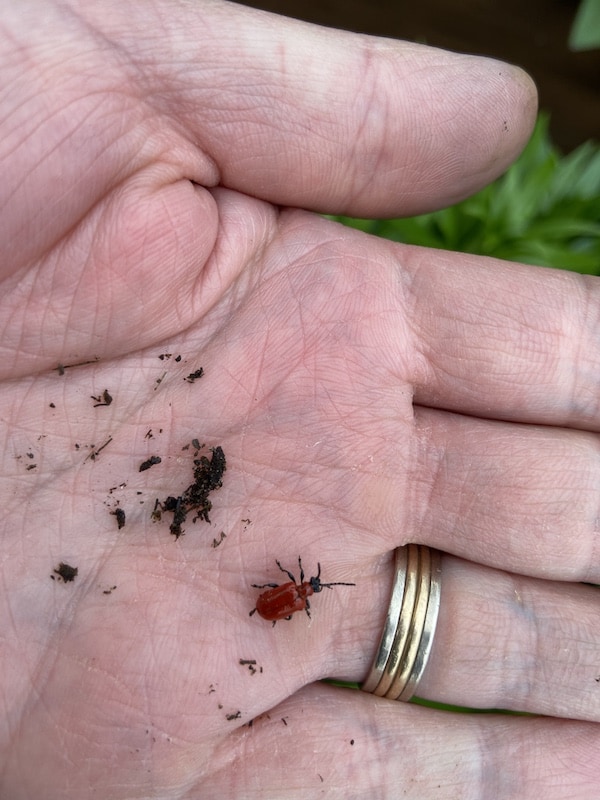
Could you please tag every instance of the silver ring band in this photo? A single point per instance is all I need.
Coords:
(407, 637)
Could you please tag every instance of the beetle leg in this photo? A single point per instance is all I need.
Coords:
(301, 570)
(307, 608)
(264, 585)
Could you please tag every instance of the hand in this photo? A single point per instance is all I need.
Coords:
(364, 394)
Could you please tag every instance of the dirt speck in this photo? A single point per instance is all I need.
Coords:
(104, 399)
(119, 513)
(150, 462)
(64, 572)
(194, 376)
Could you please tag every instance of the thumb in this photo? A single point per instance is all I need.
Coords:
(337, 122)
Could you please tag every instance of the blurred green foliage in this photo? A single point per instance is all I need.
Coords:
(544, 210)
(585, 32)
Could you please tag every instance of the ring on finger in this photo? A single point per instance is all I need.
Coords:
(407, 637)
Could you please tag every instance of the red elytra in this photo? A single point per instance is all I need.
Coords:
(281, 600)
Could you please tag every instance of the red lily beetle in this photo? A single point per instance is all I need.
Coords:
(281, 600)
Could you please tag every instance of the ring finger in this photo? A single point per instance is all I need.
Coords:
(505, 641)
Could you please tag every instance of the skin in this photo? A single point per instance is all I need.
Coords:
(161, 167)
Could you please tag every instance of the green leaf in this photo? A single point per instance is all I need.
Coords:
(585, 31)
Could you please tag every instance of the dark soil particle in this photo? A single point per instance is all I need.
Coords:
(95, 451)
(150, 463)
(194, 376)
(65, 572)
(251, 664)
(120, 515)
(61, 368)
(208, 476)
(158, 381)
(103, 399)
(217, 542)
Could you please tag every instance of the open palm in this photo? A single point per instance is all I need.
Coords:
(162, 299)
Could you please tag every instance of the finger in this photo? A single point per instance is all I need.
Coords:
(504, 641)
(521, 498)
(324, 740)
(305, 116)
(504, 340)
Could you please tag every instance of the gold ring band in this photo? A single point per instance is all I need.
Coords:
(409, 628)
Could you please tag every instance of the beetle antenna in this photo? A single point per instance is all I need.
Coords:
(337, 583)
(287, 572)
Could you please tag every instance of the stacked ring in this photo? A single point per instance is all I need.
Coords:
(409, 628)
